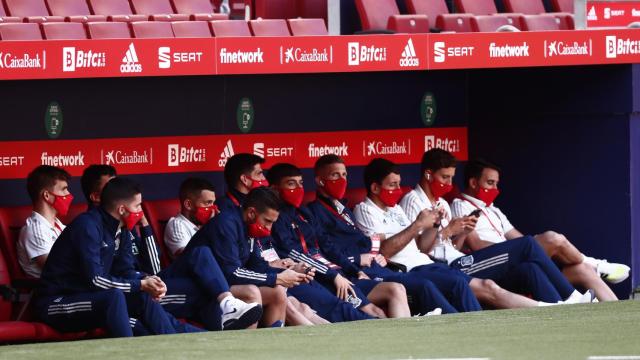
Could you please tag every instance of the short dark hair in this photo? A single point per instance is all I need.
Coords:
(262, 198)
(377, 170)
(436, 159)
(282, 170)
(239, 164)
(327, 160)
(474, 168)
(118, 189)
(42, 177)
(192, 187)
(91, 176)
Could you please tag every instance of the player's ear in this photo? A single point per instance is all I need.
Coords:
(187, 204)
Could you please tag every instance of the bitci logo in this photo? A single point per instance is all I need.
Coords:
(433, 142)
(178, 155)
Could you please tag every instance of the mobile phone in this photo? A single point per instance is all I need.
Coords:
(308, 269)
(475, 213)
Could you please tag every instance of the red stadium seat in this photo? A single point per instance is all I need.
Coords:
(540, 23)
(115, 10)
(312, 9)
(476, 7)
(7, 19)
(276, 9)
(431, 8)
(158, 214)
(20, 31)
(409, 23)
(150, 7)
(269, 27)
(490, 23)
(169, 17)
(230, 28)
(73, 10)
(191, 29)
(64, 31)
(565, 6)
(536, 7)
(374, 14)
(193, 7)
(31, 10)
(108, 30)
(151, 29)
(457, 22)
(307, 27)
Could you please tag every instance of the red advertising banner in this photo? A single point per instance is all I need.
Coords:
(210, 152)
(612, 13)
(527, 49)
(317, 54)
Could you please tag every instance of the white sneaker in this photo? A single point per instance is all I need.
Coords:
(237, 314)
(612, 272)
(577, 298)
(435, 312)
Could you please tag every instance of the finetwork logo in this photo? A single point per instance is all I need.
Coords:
(508, 51)
(166, 57)
(560, 48)
(263, 151)
(296, 54)
(450, 145)
(374, 148)
(617, 47)
(441, 52)
(409, 57)
(181, 155)
(316, 151)
(592, 15)
(227, 152)
(363, 54)
(118, 157)
(241, 57)
(73, 59)
(130, 61)
(62, 160)
(24, 61)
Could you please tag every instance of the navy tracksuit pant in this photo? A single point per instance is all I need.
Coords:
(327, 305)
(518, 265)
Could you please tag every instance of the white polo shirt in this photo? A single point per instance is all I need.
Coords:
(413, 203)
(370, 219)
(492, 224)
(178, 233)
(36, 239)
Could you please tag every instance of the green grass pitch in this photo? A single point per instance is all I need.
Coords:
(560, 332)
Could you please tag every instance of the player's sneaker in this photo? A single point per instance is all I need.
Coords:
(237, 314)
(577, 298)
(612, 272)
(435, 312)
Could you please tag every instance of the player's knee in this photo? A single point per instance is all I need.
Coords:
(397, 291)
(553, 239)
(115, 295)
(280, 295)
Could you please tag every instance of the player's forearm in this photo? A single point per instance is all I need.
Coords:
(427, 240)
(397, 242)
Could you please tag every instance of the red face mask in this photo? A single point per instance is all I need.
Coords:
(335, 188)
(258, 231)
(203, 214)
(292, 197)
(255, 183)
(132, 219)
(488, 196)
(390, 197)
(439, 189)
(62, 203)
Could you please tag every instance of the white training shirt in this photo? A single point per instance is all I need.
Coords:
(370, 219)
(492, 224)
(36, 239)
(413, 203)
(178, 233)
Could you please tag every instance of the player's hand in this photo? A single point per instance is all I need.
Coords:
(306, 269)
(288, 263)
(427, 218)
(290, 278)
(366, 259)
(344, 287)
(363, 276)
(381, 260)
(154, 286)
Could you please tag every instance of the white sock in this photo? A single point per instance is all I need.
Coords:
(590, 261)
(574, 297)
(542, 303)
(224, 304)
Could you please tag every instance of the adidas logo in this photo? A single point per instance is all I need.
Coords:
(226, 154)
(592, 16)
(130, 62)
(409, 57)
